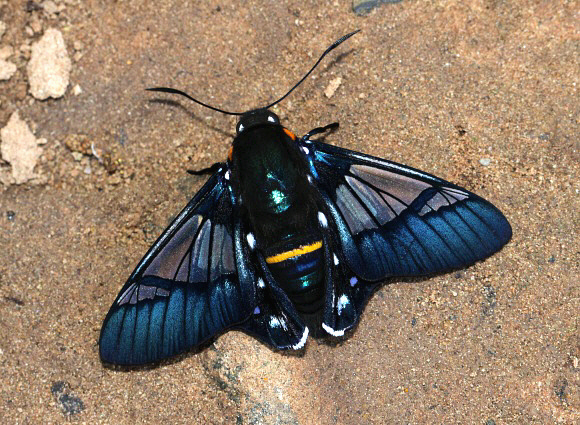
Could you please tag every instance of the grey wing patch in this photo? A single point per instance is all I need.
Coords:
(444, 197)
(136, 292)
(222, 255)
(168, 262)
(198, 266)
(374, 196)
(201, 251)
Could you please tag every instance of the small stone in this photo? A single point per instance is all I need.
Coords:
(485, 161)
(6, 52)
(77, 90)
(7, 70)
(49, 66)
(36, 24)
(332, 87)
(77, 156)
(25, 49)
(2, 29)
(69, 403)
(20, 148)
(50, 7)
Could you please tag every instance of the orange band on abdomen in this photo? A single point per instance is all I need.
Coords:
(305, 249)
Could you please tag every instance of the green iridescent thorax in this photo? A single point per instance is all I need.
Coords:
(278, 197)
(270, 174)
(270, 179)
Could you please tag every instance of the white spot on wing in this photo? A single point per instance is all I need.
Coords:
(261, 283)
(241, 128)
(302, 341)
(227, 175)
(332, 331)
(343, 301)
(271, 119)
(305, 150)
(335, 259)
(278, 322)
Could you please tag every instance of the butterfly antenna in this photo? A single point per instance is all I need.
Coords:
(327, 51)
(175, 91)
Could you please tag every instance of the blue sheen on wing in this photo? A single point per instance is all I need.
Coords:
(194, 283)
(426, 225)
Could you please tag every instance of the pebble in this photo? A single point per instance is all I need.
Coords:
(20, 148)
(2, 29)
(49, 66)
(50, 7)
(485, 161)
(6, 52)
(7, 70)
(332, 87)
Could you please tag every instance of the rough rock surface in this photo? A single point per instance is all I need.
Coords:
(49, 66)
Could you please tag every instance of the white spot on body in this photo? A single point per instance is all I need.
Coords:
(322, 219)
(251, 240)
(271, 119)
(240, 128)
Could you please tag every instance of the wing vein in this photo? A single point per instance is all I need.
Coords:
(189, 251)
(360, 201)
(419, 243)
(379, 190)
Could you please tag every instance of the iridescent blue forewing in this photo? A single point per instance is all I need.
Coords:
(194, 282)
(393, 220)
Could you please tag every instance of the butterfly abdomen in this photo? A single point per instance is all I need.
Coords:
(300, 273)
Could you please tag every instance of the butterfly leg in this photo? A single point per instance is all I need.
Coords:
(207, 170)
(319, 130)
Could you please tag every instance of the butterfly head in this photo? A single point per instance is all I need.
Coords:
(255, 118)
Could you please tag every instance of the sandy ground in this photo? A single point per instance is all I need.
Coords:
(436, 85)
